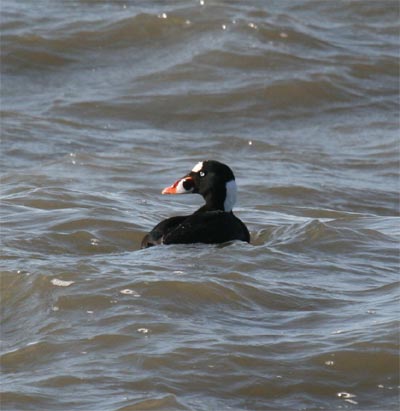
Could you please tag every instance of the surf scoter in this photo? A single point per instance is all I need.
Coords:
(212, 223)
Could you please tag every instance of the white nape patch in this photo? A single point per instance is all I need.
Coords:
(197, 167)
(230, 199)
(180, 189)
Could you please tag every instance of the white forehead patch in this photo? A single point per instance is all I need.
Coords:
(197, 167)
(230, 198)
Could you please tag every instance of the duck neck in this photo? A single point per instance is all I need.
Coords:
(221, 199)
(214, 201)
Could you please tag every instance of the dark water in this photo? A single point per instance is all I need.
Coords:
(106, 103)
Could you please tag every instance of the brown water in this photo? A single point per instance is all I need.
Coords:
(106, 103)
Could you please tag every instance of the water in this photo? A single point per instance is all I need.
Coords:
(106, 103)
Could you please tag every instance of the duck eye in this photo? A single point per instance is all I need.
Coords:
(202, 173)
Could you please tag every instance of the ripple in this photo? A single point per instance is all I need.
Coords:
(165, 402)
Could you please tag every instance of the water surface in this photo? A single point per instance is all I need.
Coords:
(106, 103)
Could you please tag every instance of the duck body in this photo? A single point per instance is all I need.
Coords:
(214, 222)
(209, 227)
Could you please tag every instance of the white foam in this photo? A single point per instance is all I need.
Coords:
(129, 291)
(197, 167)
(61, 283)
(230, 199)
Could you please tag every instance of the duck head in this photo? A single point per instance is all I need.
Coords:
(212, 180)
